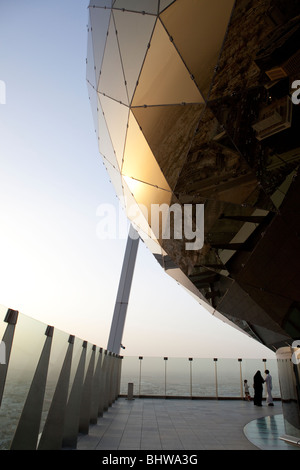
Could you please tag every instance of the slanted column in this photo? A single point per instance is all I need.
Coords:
(113, 379)
(52, 435)
(96, 389)
(26, 435)
(71, 424)
(102, 402)
(109, 380)
(11, 318)
(85, 412)
(216, 377)
(119, 316)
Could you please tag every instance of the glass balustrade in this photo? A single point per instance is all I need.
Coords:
(53, 385)
(194, 377)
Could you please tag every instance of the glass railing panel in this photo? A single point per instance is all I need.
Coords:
(228, 375)
(148, 375)
(251, 366)
(198, 377)
(130, 374)
(153, 377)
(178, 377)
(203, 377)
(28, 342)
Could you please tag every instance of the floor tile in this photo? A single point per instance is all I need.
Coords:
(159, 424)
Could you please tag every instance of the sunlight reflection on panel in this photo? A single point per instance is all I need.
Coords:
(139, 162)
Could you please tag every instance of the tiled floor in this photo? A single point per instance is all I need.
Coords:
(173, 424)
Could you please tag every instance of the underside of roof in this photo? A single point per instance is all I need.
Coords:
(193, 104)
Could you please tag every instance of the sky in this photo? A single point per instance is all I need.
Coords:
(53, 265)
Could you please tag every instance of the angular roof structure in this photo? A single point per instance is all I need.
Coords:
(192, 105)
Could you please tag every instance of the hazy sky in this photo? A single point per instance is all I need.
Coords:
(53, 267)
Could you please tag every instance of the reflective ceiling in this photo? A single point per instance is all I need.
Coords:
(185, 112)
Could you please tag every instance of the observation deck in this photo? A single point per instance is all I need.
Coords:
(185, 425)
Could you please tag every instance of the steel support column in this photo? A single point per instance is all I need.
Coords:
(119, 316)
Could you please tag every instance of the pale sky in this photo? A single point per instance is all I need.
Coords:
(53, 266)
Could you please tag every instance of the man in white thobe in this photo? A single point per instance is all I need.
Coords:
(268, 381)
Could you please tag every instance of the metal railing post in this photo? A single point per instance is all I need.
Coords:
(216, 377)
(96, 389)
(165, 359)
(241, 378)
(52, 435)
(11, 318)
(74, 403)
(116, 378)
(110, 379)
(102, 402)
(140, 377)
(27, 432)
(111, 391)
(85, 410)
(191, 377)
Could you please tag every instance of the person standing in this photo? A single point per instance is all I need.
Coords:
(247, 392)
(258, 388)
(268, 381)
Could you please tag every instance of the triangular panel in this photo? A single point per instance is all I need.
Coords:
(112, 81)
(99, 20)
(169, 131)
(164, 78)
(104, 140)
(116, 180)
(94, 106)
(201, 42)
(139, 162)
(138, 215)
(142, 6)
(149, 199)
(90, 64)
(163, 4)
(131, 26)
(116, 117)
